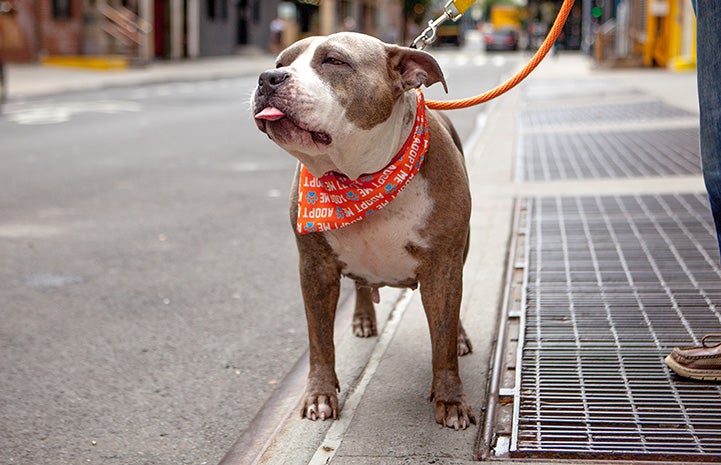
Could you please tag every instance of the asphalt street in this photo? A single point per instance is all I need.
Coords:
(149, 289)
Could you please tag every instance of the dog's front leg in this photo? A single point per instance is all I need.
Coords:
(441, 292)
(320, 283)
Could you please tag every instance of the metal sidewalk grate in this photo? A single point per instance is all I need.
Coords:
(619, 112)
(552, 155)
(550, 92)
(612, 284)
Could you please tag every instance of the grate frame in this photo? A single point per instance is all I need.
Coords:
(592, 383)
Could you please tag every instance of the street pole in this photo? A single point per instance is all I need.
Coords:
(327, 17)
(193, 19)
(586, 32)
(147, 43)
(176, 29)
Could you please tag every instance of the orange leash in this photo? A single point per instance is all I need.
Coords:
(518, 77)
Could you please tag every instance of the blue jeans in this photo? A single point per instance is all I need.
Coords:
(708, 56)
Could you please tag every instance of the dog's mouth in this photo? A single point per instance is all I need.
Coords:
(278, 122)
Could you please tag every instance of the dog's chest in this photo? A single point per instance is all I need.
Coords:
(377, 249)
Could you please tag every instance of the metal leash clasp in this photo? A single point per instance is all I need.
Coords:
(430, 34)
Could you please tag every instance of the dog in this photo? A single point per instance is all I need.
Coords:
(380, 196)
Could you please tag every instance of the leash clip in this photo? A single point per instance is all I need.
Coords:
(430, 34)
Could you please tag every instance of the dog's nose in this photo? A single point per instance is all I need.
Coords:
(270, 80)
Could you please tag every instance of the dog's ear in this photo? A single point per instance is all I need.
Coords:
(415, 67)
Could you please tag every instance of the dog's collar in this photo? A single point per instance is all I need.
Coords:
(333, 200)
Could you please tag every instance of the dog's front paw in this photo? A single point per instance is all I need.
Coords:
(456, 415)
(319, 406)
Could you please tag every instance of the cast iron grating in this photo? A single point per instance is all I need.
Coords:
(609, 113)
(581, 155)
(550, 92)
(612, 284)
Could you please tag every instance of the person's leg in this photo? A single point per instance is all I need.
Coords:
(708, 44)
(704, 362)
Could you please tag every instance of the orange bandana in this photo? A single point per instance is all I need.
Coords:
(333, 200)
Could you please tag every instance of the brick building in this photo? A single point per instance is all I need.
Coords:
(49, 27)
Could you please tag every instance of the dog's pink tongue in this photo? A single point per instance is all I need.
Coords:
(270, 114)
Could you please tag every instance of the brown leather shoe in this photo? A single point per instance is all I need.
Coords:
(701, 363)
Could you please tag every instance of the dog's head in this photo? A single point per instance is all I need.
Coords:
(331, 99)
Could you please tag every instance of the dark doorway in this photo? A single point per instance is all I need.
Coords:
(242, 29)
(161, 28)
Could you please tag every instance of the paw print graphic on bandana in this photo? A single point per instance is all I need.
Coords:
(311, 197)
(370, 212)
(339, 213)
(352, 196)
(422, 129)
(309, 227)
(417, 165)
(390, 188)
(368, 178)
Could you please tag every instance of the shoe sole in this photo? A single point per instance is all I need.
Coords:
(701, 375)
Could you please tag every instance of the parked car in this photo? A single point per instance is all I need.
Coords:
(501, 40)
(449, 34)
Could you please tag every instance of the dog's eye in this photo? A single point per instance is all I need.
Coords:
(278, 65)
(333, 61)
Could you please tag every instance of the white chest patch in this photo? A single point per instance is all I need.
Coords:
(375, 249)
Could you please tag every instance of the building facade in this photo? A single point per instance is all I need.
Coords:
(147, 30)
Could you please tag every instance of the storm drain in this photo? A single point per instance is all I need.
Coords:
(602, 289)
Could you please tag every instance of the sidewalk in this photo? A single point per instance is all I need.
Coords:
(35, 80)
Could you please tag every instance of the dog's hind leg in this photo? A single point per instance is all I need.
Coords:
(464, 343)
(364, 317)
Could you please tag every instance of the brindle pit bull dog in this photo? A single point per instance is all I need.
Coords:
(347, 107)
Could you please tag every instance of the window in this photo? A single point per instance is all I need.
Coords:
(217, 9)
(62, 9)
(211, 9)
(256, 12)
